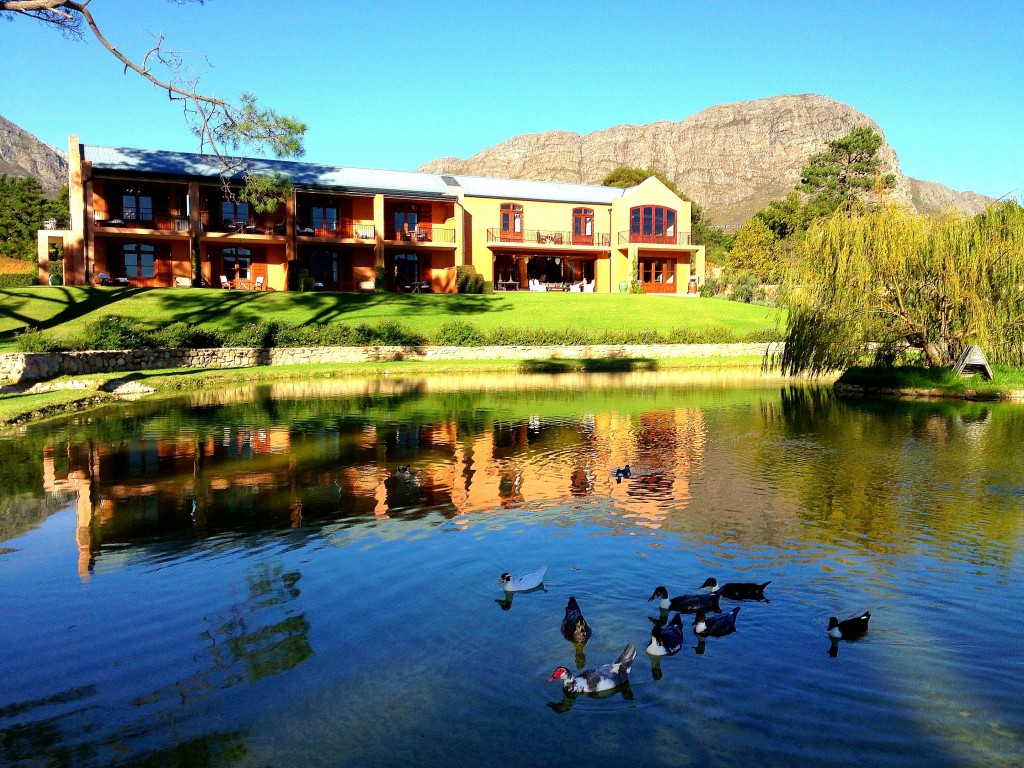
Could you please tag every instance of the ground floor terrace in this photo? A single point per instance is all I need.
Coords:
(251, 261)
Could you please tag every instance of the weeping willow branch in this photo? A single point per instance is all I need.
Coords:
(876, 284)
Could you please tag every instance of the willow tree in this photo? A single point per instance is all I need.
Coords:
(890, 281)
(223, 127)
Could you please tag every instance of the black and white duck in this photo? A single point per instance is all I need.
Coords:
(715, 624)
(523, 583)
(575, 628)
(667, 640)
(604, 678)
(847, 629)
(736, 590)
(702, 601)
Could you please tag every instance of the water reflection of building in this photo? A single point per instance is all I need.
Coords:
(200, 482)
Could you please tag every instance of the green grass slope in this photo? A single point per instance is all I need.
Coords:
(65, 312)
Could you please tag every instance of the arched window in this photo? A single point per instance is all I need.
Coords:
(583, 226)
(652, 224)
(512, 222)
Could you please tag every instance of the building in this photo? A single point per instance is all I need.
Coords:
(152, 218)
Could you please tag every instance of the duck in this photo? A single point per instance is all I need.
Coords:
(850, 628)
(736, 590)
(716, 624)
(604, 678)
(704, 601)
(523, 583)
(575, 628)
(667, 640)
(621, 472)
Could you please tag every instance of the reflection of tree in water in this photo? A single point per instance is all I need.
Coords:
(245, 643)
(875, 471)
(243, 649)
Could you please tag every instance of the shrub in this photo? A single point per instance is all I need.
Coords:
(380, 280)
(186, 336)
(716, 334)
(115, 332)
(395, 334)
(713, 286)
(259, 335)
(745, 286)
(21, 280)
(34, 341)
(459, 333)
(468, 281)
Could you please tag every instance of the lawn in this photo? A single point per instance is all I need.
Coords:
(1005, 379)
(64, 312)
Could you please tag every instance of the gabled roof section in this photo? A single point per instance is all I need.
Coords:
(348, 179)
(525, 189)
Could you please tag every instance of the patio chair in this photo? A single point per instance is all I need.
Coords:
(588, 287)
(259, 282)
(224, 282)
(536, 285)
(104, 278)
(183, 282)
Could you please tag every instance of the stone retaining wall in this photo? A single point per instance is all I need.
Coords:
(17, 368)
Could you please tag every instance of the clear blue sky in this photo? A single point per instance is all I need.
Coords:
(394, 84)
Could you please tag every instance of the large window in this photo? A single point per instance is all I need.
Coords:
(136, 206)
(139, 260)
(511, 222)
(237, 263)
(652, 224)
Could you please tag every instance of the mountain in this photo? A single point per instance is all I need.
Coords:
(22, 154)
(732, 158)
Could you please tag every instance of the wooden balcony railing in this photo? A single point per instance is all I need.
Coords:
(425, 233)
(141, 218)
(678, 238)
(547, 237)
(250, 225)
(341, 230)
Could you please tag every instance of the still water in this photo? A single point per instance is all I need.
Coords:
(246, 578)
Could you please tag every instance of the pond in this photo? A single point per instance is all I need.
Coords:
(305, 574)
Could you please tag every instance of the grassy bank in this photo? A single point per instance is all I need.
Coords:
(943, 381)
(64, 313)
(18, 407)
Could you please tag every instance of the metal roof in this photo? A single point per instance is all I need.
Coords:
(347, 178)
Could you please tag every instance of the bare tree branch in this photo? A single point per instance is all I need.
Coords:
(221, 126)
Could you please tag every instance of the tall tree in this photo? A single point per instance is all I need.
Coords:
(756, 248)
(843, 173)
(23, 209)
(888, 281)
(222, 127)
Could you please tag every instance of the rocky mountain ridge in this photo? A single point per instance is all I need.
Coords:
(22, 154)
(731, 158)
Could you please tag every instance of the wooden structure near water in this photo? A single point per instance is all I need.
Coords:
(971, 361)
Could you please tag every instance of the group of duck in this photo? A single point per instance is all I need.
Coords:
(667, 637)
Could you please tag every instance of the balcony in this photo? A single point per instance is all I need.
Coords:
(249, 225)
(141, 218)
(341, 230)
(548, 237)
(424, 233)
(651, 238)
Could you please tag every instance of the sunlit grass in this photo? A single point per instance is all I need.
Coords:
(64, 313)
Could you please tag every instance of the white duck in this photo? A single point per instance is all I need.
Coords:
(603, 678)
(523, 583)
